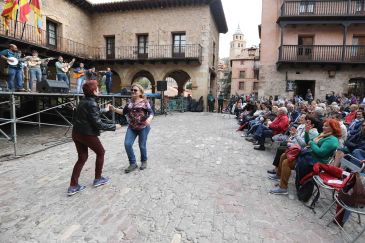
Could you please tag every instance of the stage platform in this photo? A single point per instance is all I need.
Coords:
(52, 109)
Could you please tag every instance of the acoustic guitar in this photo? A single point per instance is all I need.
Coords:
(79, 74)
(35, 63)
(67, 66)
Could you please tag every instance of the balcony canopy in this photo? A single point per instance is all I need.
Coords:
(216, 7)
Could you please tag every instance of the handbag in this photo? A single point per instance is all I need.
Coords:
(353, 192)
(292, 152)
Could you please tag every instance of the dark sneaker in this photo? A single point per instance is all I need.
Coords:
(72, 190)
(273, 172)
(260, 147)
(131, 168)
(143, 165)
(101, 181)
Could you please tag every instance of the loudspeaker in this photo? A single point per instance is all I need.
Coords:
(52, 86)
(161, 85)
(125, 91)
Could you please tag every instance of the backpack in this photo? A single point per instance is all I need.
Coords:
(305, 191)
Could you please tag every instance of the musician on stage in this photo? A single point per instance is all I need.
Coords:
(34, 66)
(15, 72)
(79, 74)
(62, 69)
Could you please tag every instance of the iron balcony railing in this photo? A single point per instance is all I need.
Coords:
(152, 52)
(68, 46)
(323, 8)
(322, 53)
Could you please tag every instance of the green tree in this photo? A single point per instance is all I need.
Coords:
(144, 82)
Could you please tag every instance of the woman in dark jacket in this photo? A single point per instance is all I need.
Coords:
(86, 129)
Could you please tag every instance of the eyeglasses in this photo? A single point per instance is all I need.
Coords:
(134, 90)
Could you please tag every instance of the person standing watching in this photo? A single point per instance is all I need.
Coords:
(211, 101)
(15, 73)
(140, 115)
(108, 80)
(86, 129)
(220, 102)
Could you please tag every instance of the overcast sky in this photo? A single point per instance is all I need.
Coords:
(246, 13)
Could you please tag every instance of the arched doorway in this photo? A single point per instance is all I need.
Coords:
(180, 77)
(145, 79)
(357, 87)
(117, 82)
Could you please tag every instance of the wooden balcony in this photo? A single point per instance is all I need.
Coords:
(322, 54)
(334, 10)
(189, 53)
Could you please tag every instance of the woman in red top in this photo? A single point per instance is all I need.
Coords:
(139, 113)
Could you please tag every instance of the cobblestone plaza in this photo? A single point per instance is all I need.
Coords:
(204, 183)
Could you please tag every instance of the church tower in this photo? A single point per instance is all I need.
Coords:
(237, 44)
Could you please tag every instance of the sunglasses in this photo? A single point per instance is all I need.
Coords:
(134, 90)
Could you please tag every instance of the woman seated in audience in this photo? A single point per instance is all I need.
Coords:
(321, 149)
(296, 137)
(284, 167)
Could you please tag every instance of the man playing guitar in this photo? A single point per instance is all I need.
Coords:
(34, 66)
(62, 69)
(15, 72)
(79, 74)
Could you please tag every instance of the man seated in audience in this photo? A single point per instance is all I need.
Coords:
(292, 113)
(278, 126)
(353, 142)
(355, 125)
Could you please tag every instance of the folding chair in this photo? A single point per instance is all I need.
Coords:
(346, 165)
(358, 211)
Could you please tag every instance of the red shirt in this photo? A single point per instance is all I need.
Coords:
(280, 124)
(350, 117)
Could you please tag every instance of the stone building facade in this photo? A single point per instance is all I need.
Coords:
(245, 72)
(317, 45)
(151, 39)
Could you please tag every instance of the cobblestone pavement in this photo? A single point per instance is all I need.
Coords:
(204, 183)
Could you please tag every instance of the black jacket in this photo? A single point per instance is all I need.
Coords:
(87, 119)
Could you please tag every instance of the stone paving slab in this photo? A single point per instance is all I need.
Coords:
(204, 183)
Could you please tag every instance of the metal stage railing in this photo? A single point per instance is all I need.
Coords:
(14, 110)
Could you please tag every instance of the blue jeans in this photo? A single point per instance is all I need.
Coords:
(80, 81)
(15, 74)
(108, 85)
(130, 137)
(63, 77)
(35, 74)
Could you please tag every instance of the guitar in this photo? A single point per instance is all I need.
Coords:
(34, 63)
(67, 66)
(79, 74)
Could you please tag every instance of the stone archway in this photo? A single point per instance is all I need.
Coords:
(147, 75)
(181, 77)
(117, 82)
(356, 86)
